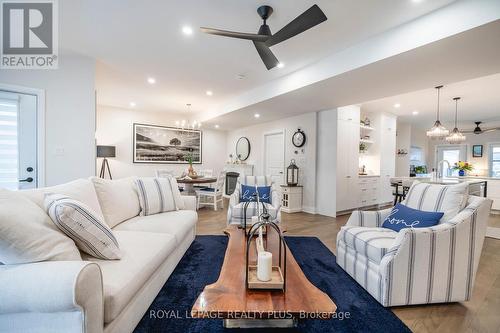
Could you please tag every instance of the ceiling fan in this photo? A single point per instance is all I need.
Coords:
(263, 39)
(478, 130)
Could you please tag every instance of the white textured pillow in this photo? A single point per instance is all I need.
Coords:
(155, 195)
(449, 199)
(81, 189)
(81, 224)
(118, 199)
(179, 202)
(28, 235)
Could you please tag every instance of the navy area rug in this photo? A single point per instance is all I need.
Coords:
(358, 311)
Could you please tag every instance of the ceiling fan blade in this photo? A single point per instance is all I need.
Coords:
(266, 55)
(234, 34)
(308, 19)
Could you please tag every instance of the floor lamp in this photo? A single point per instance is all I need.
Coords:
(105, 152)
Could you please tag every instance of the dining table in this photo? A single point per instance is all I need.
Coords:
(189, 183)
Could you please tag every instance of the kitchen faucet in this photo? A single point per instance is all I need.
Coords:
(440, 168)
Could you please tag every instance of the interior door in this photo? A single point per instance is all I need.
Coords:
(18, 141)
(274, 159)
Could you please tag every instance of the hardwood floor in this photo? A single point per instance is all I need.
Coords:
(480, 314)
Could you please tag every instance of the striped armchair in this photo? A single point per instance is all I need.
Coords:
(417, 265)
(235, 212)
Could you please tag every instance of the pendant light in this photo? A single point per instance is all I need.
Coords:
(456, 136)
(438, 131)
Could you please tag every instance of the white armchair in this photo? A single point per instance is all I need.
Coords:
(235, 212)
(415, 265)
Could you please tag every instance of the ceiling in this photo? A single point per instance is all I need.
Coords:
(133, 40)
(480, 101)
(465, 56)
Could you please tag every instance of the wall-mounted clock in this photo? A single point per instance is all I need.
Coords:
(299, 138)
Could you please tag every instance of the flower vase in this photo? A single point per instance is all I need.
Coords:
(461, 173)
(191, 172)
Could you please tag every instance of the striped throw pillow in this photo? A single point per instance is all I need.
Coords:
(155, 195)
(90, 234)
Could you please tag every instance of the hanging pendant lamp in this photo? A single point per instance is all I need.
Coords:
(438, 131)
(456, 136)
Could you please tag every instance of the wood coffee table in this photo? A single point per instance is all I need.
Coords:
(229, 299)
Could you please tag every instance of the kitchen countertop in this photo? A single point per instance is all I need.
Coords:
(446, 181)
(368, 176)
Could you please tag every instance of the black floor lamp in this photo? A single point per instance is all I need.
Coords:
(105, 152)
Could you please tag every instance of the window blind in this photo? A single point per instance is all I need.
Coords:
(9, 152)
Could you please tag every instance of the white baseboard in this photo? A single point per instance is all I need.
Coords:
(310, 210)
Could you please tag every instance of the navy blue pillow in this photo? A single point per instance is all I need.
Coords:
(402, 217)
(248, 192)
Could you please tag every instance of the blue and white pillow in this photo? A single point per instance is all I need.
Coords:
(156, 195)
(90, 234)
(248, 193)
(402, 217)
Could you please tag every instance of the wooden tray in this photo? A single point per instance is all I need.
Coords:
(276, 282)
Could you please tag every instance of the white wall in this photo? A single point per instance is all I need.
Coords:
(69, 115)
(326, 163)
(115, 126)
(480, 164)
(305, 160)
(403, 140)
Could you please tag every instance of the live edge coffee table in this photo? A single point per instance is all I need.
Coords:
(228, 298)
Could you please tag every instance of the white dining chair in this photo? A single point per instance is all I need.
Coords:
(160, 173)
(212, 196)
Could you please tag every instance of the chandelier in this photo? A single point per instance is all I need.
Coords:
(438, 130)
(456, 136)
(183, 124)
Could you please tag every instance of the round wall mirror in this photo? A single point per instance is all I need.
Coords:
(242, 148)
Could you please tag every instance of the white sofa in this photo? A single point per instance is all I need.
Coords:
(95, 295)
(416, 265)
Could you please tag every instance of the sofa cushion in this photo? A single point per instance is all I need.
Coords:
(373, 243)
(142, 254)
(80, 223)
(176, 223)
(27, 233)
(118, 199)
(155, 195)
(449, 199)
(81, 189)
(405, 217)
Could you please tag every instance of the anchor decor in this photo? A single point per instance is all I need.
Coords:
(264, 275)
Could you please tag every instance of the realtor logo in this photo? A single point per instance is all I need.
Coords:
(29, 34)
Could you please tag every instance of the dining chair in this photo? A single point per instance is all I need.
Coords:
(212, 196)
(163, 173)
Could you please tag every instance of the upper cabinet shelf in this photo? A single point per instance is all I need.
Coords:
(368, 128)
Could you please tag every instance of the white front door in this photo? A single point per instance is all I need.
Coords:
(18, 141)
(274, 156)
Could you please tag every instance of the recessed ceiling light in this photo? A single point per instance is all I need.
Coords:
(209, 93)
(281, 65)
(216, 126)
(397, 105)
(151, 80)
(415, 113)
(187, 30)
(417, 1)
(256, 115)
(132, 104)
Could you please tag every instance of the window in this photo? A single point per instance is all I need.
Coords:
(495, 160)
(452, 154)
(416, 156)
(8, 144)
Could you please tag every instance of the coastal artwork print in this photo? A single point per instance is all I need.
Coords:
(159, 144)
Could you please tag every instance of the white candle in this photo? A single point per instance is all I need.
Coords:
(264, 265)
(255, 219)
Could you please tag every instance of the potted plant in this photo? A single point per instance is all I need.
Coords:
(420, 170)
(462, 167)
(191, 172)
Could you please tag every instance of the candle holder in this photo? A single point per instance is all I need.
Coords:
(278, 273)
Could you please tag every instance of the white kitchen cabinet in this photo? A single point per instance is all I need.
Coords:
(387, 156)
(347, 157)
(494, 193)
